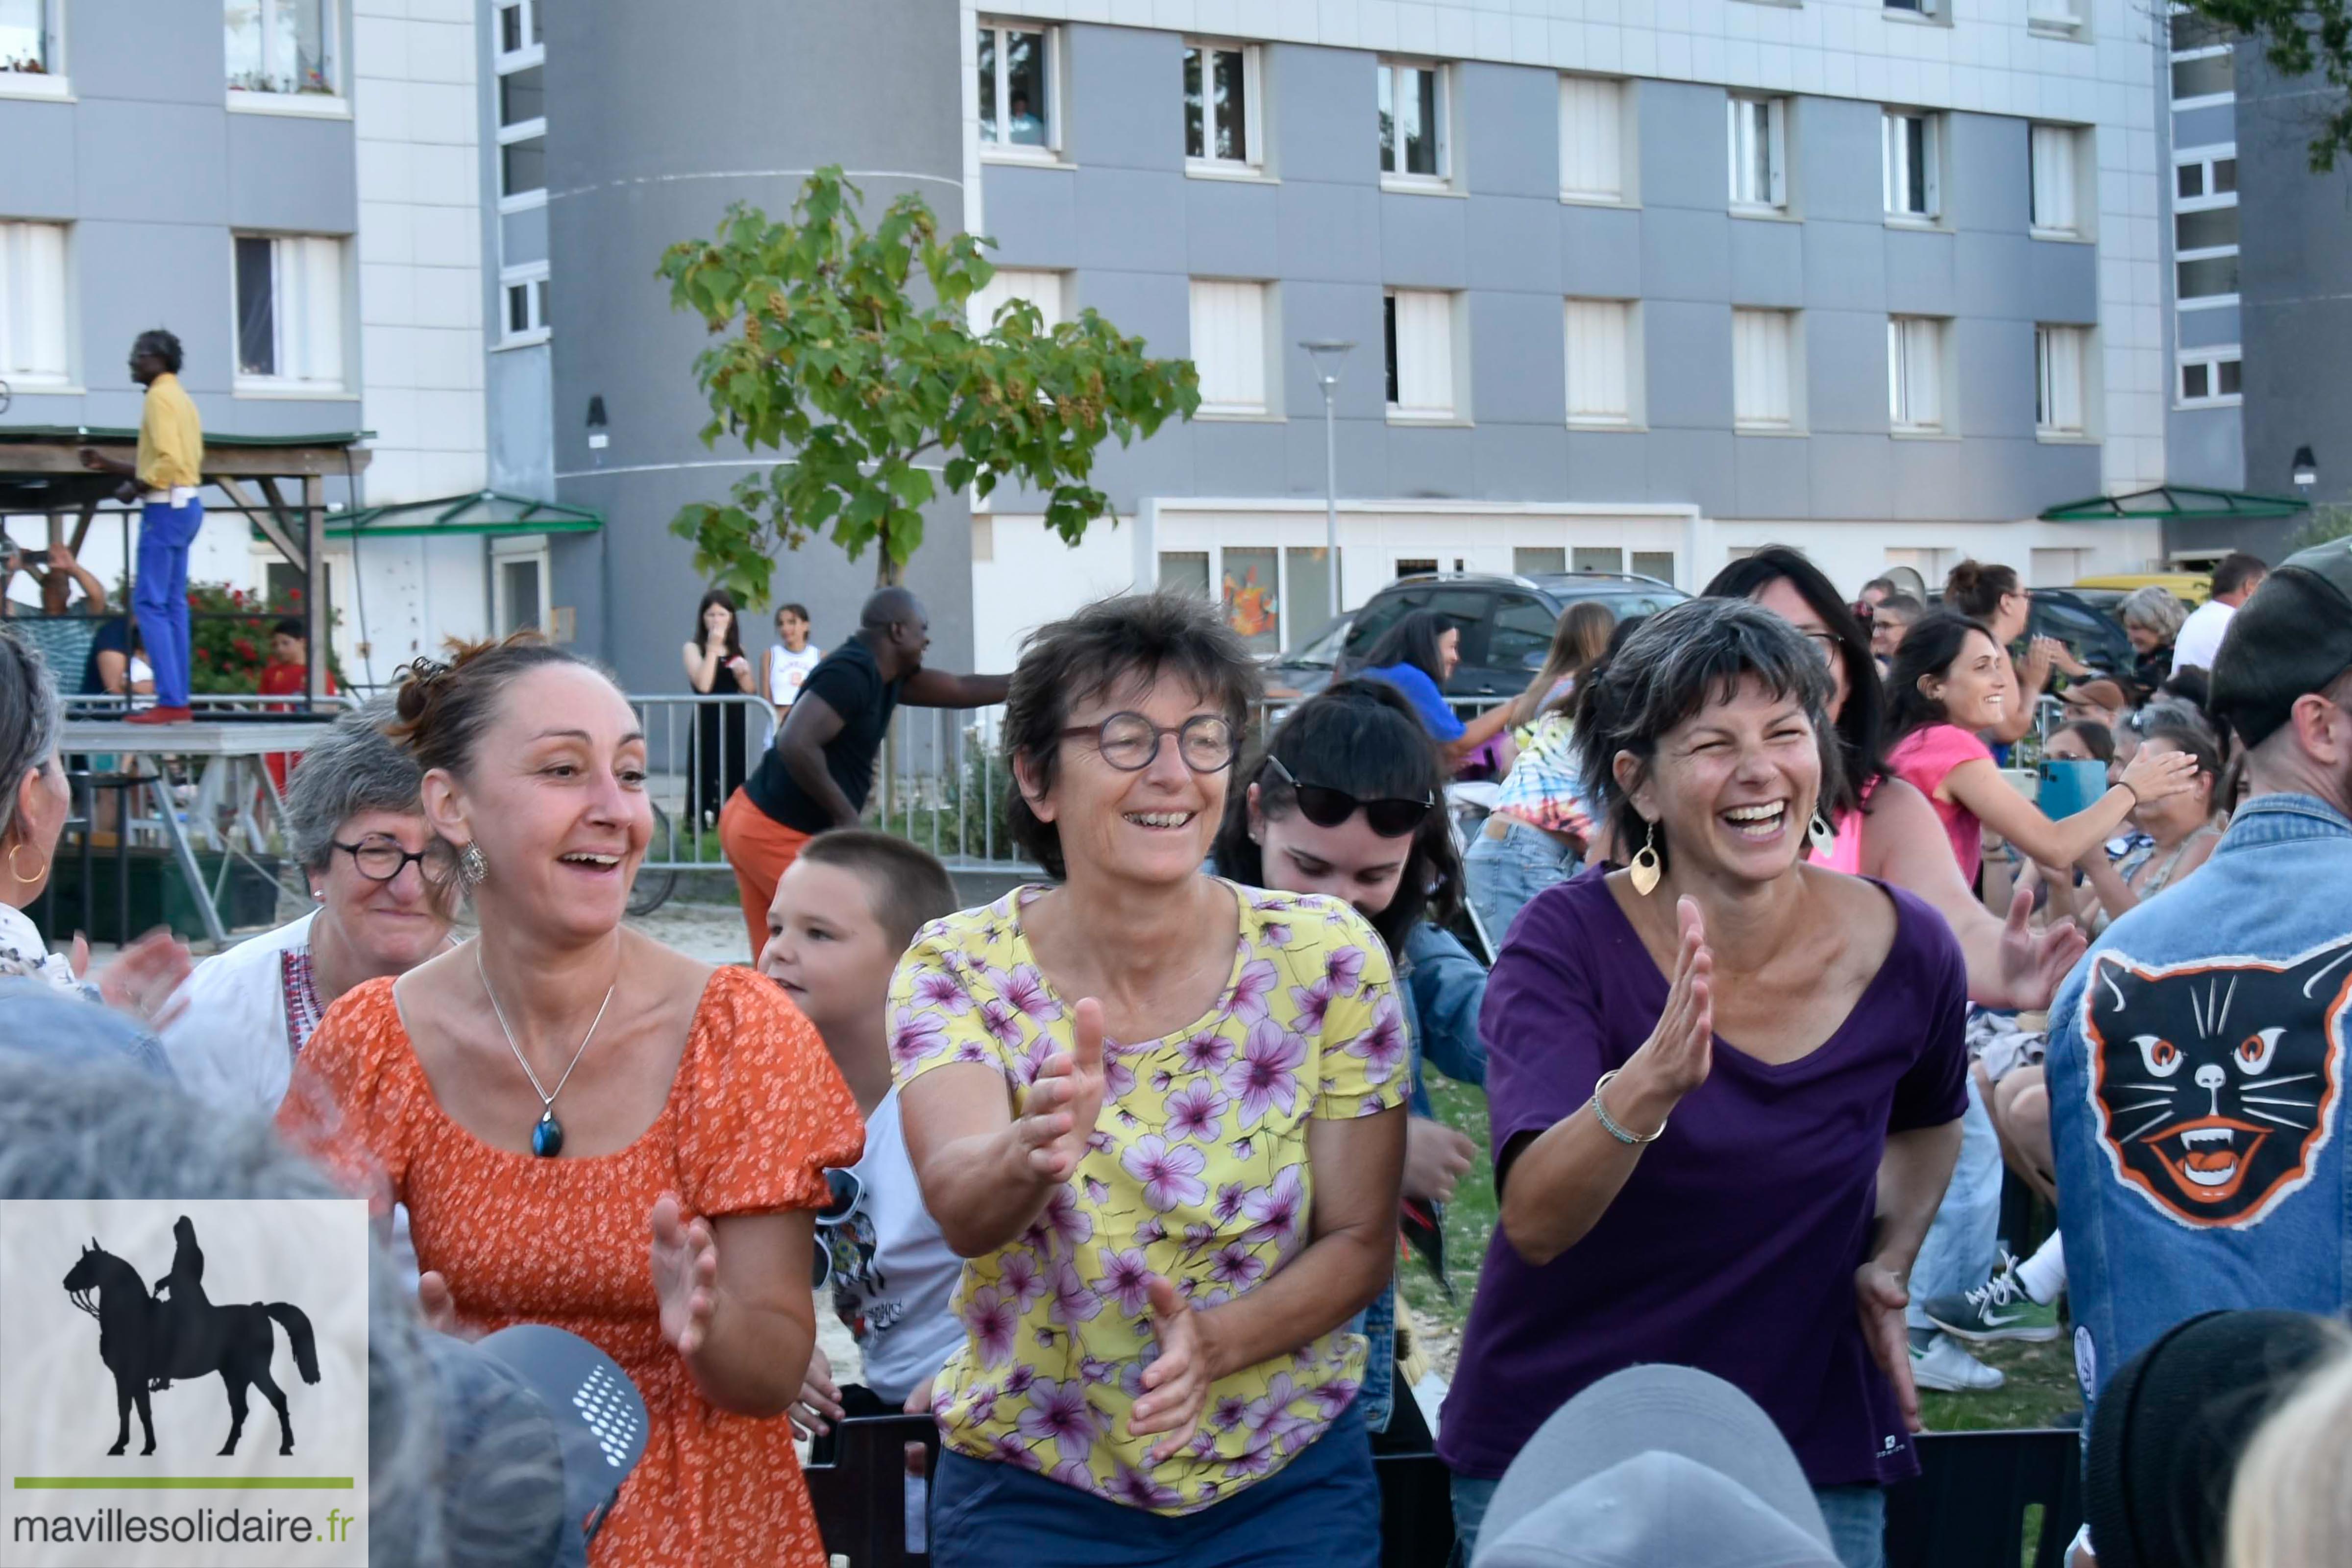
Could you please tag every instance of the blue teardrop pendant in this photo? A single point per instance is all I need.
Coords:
(547, 1137)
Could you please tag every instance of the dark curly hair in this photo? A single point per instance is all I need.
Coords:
(443, 708)
(1139, 637)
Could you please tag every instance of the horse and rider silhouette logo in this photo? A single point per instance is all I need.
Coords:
(176, 1334)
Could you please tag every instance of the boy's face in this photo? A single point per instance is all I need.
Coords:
(827, 952)
(285, 649)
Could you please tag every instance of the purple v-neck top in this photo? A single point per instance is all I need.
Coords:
(1732, 1246)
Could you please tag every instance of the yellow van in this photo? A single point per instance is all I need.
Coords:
(2195, 587)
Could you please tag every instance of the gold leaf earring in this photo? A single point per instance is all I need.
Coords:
(1645, 870)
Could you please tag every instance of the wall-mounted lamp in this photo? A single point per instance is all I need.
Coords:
(597, 439)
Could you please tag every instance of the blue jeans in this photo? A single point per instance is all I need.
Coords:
(1963, 1245)
(1321, 1510)
(160, 597)
(1502, 874)
(1856, 1517)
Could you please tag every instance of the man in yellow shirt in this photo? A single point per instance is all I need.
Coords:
(166, 477)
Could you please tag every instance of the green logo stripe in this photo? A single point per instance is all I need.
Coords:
(184, 1483)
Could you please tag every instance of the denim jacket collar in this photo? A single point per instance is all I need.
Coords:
(2282, 818)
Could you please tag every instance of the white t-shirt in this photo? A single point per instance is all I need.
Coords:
(893, 1272)
(787, 670)
(2200, 636)
(248, 1011)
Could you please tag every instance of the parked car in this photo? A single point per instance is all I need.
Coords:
(2189, 587)
(2084, 620)
(1507, 625)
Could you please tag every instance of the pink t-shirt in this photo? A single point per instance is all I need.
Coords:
(1923, 759)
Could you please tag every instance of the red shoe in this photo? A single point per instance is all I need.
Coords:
(163, 716)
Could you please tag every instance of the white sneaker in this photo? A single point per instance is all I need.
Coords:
(1944, 1367)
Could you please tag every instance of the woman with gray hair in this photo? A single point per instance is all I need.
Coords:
(386, 893)
(2152, 619)
(35, 801)
(1725, 1084)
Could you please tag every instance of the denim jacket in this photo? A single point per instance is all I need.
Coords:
(2197, 1068)
(1443, 988)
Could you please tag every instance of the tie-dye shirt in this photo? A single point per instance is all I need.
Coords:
(1197, 1171)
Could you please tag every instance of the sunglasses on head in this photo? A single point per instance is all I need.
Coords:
(843, 1190)
(1328, 807)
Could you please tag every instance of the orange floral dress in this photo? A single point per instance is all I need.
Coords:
(755, 1115)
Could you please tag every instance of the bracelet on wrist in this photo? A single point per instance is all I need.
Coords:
(1609, 1122)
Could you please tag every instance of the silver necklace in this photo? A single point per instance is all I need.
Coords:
(547, 1134)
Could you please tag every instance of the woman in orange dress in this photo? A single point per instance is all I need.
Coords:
(589, 1129)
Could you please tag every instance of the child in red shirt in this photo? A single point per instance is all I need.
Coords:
(287, 674)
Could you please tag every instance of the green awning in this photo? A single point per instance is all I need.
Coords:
(485, 511)
(2164, 503)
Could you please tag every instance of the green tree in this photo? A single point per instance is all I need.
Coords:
(2297, 37)
(850, 352)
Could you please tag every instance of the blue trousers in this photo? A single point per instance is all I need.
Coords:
(1856, 1517)
(160, 597)
(1964, 1244)
(1321, 1510)
(1501, 875)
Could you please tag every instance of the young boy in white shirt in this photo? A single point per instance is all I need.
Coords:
(843, 913)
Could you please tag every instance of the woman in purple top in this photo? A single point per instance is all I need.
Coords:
(1753, 1208)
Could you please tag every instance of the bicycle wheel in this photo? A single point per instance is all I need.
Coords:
(653, 886)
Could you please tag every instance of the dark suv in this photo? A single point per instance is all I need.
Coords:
(1507, 625)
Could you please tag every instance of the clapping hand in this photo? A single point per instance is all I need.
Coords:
(1176, 1385)
(686, 1275)
(2034, 964)
(1059, 1109)
(1681, 1050)
(144, 977)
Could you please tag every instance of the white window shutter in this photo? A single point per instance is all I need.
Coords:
(312, 270)
(1424, 326)
(1592, 134)
(32, 339)
(1735, 141)
(1890, 129)
(1761, 351)
(2054, 177)
(1598, 342)
(1043, 289)
(1229, 345)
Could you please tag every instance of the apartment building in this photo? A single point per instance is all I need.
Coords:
(288, 186)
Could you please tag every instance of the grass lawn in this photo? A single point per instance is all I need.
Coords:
(2041, 1390)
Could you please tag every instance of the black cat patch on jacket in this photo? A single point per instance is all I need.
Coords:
(2217, 1082)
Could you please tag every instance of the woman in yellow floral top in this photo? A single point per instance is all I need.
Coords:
(1162, 1116)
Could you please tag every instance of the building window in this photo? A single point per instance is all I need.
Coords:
(1759, 154)
(2211, 73)
(2063, 17)
(1592, 139)
(518, 28)
(2209, 376)
(1419, 332)
(2205, 225)
(1184, 572)
(1221, 106)
(1413, 123)
(2056, 159)
(1229, 341)
(2059, 355)
(1763, 370)
(1658, 565)
(281, 45)
(33, 304)
(32, 38)
(289, 313)
(523, 167)
(1599, 340)
(1041, 289)
(2205, 173)
(1910, 175)
(1915, 373)
(1916, 8)
(1016, 71)
(523, 293)
(1538, 560)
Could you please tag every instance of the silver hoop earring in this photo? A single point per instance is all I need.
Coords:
(472, 866)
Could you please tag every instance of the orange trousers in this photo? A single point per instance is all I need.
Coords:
(760, 849)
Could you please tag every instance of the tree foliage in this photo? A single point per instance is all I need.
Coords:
(850, 352)
(2297, 37)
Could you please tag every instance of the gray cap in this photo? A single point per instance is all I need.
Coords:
(1651, 1466)
(2291, 639)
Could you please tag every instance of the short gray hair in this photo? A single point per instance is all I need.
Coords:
(1677, 663)
(31, 717)
(2155, 608)
(357, 767)
(96, 1129)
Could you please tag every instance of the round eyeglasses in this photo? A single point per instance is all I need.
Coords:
(1129, 741)
(383, 860)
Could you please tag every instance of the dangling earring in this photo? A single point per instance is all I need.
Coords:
(1824, 835)
(1645, 870)
(475, 869)
(318, 895)
(16, 849)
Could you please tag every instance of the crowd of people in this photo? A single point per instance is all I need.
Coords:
(1807, 931)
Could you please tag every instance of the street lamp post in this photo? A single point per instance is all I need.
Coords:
(1327, 354)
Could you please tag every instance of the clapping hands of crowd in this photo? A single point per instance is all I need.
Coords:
(144, 978)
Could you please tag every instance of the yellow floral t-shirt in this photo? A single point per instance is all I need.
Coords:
(1197, 1171)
